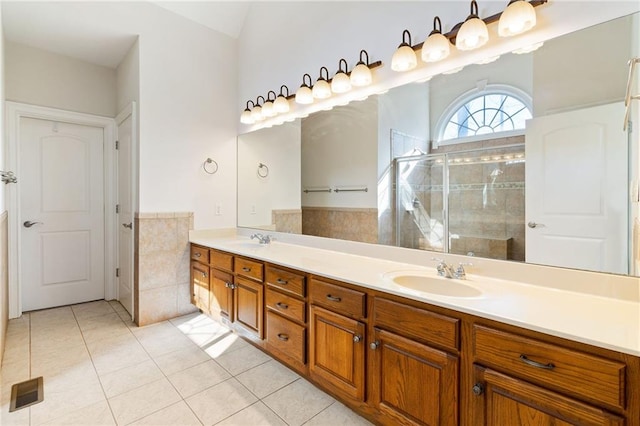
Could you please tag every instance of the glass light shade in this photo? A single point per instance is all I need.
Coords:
(267, 109)
(404, 59)
(528, 49)
(246, 117)
(435, 48)
(281, 105)
(341, 83)
(304, 95)
(472, 35)
(518, 17)
(256, 113)
(321, 90)
(361, 75)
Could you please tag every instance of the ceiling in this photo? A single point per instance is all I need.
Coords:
(103, 32)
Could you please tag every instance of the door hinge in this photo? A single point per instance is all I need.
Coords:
(117, 272)
(117, 144)
(117, 208)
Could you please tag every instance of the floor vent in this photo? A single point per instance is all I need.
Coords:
(26, 393)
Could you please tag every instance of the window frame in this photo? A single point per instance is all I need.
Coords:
(460, 101)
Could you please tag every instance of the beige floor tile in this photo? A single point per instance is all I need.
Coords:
(298, 402)
(257, 414)
(161, 339)
(189, 320)
(178, 414)
(17, 418)
(51, 317)
(198, 378)
(119, 357)
(98, 414)
(225, 343)
(200, 329)
(92, 309)
(103, 322)
(140, 402)
(130, 378)
(220, 401)
(267, 378)
(241, 360)
(179, 360)
(338, 415)
(58, 363)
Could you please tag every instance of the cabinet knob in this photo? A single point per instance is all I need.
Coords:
(374, 345)
(281, 281)
(357, 338)
(282, 305)
(196, 254)
(245, 269)
(204, 274)
(478, 389)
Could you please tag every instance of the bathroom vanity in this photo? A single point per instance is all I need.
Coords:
(480, 351)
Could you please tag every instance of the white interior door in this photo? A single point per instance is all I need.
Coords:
(61, 213)
(576, 193)
(125, 122)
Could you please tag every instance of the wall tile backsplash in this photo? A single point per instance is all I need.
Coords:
(162, 263)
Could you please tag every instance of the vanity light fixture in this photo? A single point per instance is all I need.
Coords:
(453, 71)
(304, 95)
(341, 83)
(322, 88)
(528, 49)
(404, 58)
(517, 18)
(281, 104)
(267, 107)
(256, 112)
(436, 47)
(361, 74)
(488, 60)
(473, 33)
(246, 117)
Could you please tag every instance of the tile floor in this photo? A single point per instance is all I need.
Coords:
(101, 369)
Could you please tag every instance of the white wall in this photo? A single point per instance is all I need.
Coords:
(279, 149)
(38, 77)
(4, 290)
(339, 149)
(128, 78)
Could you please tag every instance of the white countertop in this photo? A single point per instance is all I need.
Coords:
(600, 321)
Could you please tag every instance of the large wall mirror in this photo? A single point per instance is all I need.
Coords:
(520, 159)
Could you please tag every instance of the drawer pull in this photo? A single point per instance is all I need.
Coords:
(204, 274)
(333, 298)
(197, 254)
(478, 389)
(282, 305)
(230, 285)
(536, 364)
(374, 345)
(281, 281)
(245, 269)
(357, 338)
(283, 337)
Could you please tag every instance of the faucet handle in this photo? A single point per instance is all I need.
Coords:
(460, 273)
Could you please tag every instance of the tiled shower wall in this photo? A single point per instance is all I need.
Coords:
(162, 271)
(353, 224)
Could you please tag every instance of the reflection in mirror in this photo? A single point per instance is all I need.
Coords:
(521, 159)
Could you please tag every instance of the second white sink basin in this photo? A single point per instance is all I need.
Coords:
(420, 281)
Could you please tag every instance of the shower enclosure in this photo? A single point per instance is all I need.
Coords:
(465, 202)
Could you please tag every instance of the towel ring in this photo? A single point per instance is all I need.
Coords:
(207, 162)
(263, 174)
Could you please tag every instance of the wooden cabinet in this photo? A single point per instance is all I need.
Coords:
(200, 286)
(221, 295)
(248, 306)
(413, 383)
(504, 400)
(336, 352)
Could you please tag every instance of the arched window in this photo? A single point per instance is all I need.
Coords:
(475, 116)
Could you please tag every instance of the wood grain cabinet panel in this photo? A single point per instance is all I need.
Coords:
(249, 305)
(337, 298)
(336, 352)
(249, 268)
(286, 337)
(579, 374)
(200, 286)
(221, 301)
(502, 400)
(221, 260)
(199, 254)
(413, 383)
(285, 305)
(286, 281)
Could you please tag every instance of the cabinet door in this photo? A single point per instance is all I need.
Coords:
(504, 400)
(413, 383)
(200, 286)
(336, 352)
(221, 302)
(248, 304)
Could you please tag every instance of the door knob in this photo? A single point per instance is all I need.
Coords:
(128, 225)
(29, 224)
(534, 225)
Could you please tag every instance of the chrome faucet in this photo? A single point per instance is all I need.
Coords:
(447, 271)
(262, 239)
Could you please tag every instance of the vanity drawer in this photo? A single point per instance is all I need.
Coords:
(552, 366)
(220, 260)
(285, 280)
(285, 305)
(249, 268)
(416, 323)
(337, 298)
(199, 254)
(286, 336)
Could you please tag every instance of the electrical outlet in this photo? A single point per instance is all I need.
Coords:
(218, 210)
(253, 209)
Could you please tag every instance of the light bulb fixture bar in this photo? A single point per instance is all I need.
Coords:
(451, 35)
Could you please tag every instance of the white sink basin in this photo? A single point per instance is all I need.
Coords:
(424, 282)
